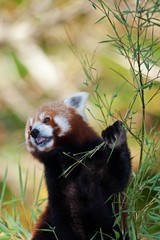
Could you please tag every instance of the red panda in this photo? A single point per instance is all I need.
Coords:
(83, 171)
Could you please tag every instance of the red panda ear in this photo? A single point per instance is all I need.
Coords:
(78, 101)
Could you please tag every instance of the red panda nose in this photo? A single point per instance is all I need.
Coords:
(34, 133)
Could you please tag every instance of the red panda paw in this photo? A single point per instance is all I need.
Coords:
(115, 135)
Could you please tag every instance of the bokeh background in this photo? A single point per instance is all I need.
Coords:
(37, 64)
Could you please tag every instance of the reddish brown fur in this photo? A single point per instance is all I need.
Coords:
(77, 206)
(42, 220)
(80, 130)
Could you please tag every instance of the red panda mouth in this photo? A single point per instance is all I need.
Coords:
(42, 140)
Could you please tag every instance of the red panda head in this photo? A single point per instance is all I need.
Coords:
(54, 121)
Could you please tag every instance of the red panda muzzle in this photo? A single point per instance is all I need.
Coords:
(34, 133)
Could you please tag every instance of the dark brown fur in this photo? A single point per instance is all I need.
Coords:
(80, 201)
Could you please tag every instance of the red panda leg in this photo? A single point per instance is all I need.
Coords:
(119, 161)
(42, 229)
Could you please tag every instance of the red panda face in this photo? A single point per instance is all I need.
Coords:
(52, 121)
(48, 124)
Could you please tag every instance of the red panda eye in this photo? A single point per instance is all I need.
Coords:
(46, 120)
(30, 128)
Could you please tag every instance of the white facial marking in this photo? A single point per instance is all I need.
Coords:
(63, 123)
(31, 121)
(26, 135)
(41, 116)
(45, 131)
(30, 149)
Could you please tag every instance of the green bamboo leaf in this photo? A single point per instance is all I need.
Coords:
(3, 186)
(21, 183)
(102, 18)
(4, 238)
(106, 41)
(39, 189)
(3, 228)
(94, 6)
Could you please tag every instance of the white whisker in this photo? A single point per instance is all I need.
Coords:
(23, 144)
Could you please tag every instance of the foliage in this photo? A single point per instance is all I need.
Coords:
(133, 35)
(137, 43)
(11, 222)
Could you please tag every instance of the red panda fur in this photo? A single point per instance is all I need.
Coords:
(83, 172)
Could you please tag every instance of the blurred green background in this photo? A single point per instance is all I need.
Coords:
(37, 64)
